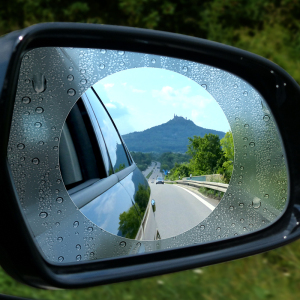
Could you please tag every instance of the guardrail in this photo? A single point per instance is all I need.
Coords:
(222, 187)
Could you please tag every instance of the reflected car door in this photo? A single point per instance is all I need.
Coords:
(129, 176)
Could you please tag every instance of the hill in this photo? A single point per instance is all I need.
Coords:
(168, 137)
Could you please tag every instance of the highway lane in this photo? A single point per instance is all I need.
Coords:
(149, 169)
(177, 209)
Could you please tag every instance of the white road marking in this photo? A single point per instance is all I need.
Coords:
(211, 207)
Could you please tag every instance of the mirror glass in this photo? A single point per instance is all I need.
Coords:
(117, 153)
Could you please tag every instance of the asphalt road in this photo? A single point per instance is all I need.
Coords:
(178, 209)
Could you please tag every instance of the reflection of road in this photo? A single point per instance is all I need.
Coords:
(149, 169)
(177, 209)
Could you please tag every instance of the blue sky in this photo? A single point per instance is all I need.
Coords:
(140, 98)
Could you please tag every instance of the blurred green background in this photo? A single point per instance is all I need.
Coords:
(269, 28)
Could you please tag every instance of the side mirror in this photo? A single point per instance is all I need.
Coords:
(75, 194)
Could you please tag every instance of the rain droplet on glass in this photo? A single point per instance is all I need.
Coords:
(26, 100)
(70, 77)
(39, 110)
(71, 92)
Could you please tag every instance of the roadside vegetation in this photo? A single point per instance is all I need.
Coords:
(209, 155)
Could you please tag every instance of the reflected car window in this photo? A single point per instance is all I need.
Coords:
(117, 153)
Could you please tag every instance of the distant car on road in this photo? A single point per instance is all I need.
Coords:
(159, 180)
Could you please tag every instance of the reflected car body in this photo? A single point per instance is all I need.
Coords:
(99, 172)
(159, 180)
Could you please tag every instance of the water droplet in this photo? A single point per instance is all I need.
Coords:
(78, 247)
(41, 143)
(241, 167)
(204, 86)
(26, 57)
(75, 224)
(83, 81)
(246, 125)
(71, 92)
(39, 110)
(256, 202)
(239, 183)
(232, 225)
(60, 239)
(235, 86)
(231, 208)
(121, 52)
(78, 257)
(101, 66)
(103, 51)
(122, 63)
(266, 196)
(43, 215)
(61, 259)
(184, 69)
(20, 146)
(37, 124)
(242, 220)
(122, 244)
(58, 181)
(56, 139)
(82, 71)
(53, 128)
(27, 81)
(39, 83)
(202, 227)
(26, 100)
(245, 93)
(218, 229)
(283, 199)
(59, 200)
(90, 229)
(241, 205)
(252, 144)
(70, 68)
(59, 212)
(55, 148)
(237, 118)
(153, 60)
(70, 77)
(35, 161)
(92, 254)
(26, 113)
(245, 139)
(266, 118)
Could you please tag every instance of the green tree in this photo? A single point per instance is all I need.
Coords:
(228, 146)
(205, 152)
(130, 221)
(141, 197)
(225, 164)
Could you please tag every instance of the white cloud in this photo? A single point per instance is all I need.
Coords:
(110, 105)
(108, 85)
(138, 91)
(181, 97)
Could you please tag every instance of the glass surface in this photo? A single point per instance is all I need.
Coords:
(254, 170)
(112, 140)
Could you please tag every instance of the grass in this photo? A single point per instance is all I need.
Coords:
(148, 176)
(271, 275)
(211, 193)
